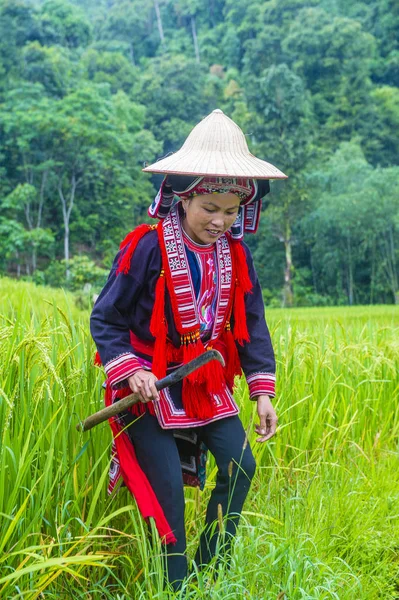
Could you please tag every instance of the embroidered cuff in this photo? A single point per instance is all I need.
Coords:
(120, 368)
(261, 383)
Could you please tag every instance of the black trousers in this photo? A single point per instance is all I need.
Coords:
(158, 456)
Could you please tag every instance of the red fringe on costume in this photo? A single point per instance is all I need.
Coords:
(233, 365)
(159, 328)
(199, 386)
(243, 286)
(196, 400)
(129, 244)
(136, 480)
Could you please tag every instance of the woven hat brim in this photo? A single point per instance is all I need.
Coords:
(216, 164)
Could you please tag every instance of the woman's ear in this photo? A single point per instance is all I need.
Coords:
(184, 203)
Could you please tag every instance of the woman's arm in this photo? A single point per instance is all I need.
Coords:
(257, 358)
(112, 312)
(257, 355)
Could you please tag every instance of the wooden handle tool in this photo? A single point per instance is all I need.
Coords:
(125, 403)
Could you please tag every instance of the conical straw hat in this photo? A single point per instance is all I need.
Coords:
(216, 147)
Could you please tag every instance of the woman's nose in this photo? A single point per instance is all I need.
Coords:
(218, 222)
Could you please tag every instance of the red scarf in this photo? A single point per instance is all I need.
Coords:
(136, 480)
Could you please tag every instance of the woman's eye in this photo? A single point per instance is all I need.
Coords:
(208, 210)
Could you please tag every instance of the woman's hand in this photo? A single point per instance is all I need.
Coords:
(267, 418)
(143, 384)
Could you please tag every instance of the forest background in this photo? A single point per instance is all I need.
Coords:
(93, 89)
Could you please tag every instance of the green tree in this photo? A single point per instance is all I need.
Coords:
(50, 67)
(385, 139)
(353, 227)
(92, 144)
(18, 25)
(24, 199)
(27, 154)
(128, 23)
(280, 125)
(172, 86)
(64, 24)
(109, 67)
(333, 55)
(79, 149)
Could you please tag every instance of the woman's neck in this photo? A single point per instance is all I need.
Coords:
(193, 245)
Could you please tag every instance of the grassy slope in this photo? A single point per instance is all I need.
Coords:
(322, 519)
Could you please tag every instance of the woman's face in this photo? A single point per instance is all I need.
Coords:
(208, 216)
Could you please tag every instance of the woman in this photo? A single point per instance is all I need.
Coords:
(176, 289)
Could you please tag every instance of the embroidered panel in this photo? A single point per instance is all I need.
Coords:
(181, 278)
(170, 417)
(121, 367)
(261, 383)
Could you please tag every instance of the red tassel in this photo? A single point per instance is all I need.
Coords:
(193, 347)
(159, 328)
(243, 286)
(129, 244)
(241, 267)
(233, 365)
(240, 320)
(173, 354)
(196, 401)
(214, 377)
(97, 360)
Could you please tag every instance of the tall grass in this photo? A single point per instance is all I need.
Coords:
(322, 519)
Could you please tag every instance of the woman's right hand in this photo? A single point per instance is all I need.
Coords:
(143, 384)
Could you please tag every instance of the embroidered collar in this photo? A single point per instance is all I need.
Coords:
(195, 247)
(180, 284)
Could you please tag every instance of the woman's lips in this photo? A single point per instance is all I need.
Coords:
(213, 232)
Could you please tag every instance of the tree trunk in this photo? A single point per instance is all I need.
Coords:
(28, 217)
(195, 39)
(395, 282)
(288, 296)
(159, 21)
(350, 272)
(41, 199)
(34, 259)
(314, 278)
(389, 261)
(18, 264)
(211, 8)
(372, 276)
(132, 54)
(66, 214)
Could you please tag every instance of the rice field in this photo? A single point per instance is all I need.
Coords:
(322, 518)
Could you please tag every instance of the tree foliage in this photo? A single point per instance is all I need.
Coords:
(91, 90)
